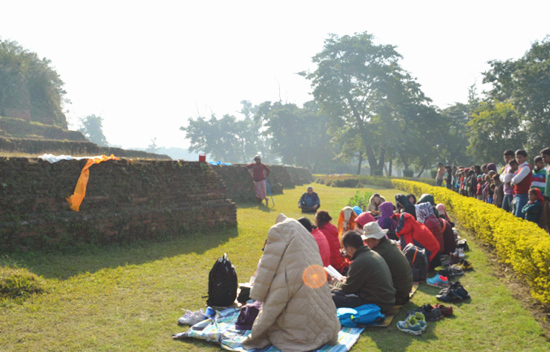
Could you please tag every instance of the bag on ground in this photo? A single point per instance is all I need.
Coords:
(222, 283)
(418, 261)
(366, 314)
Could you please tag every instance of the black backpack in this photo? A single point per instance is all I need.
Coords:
(418, 260)
(222, 283)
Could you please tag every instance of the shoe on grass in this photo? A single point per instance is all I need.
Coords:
(431, 313)
(438, 281)
(451, 271)
(410, 325)
(421, 320)
(465, 265)
(446, 311)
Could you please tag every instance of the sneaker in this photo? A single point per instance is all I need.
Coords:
(421, 320)
(465, 265)
(446, 311)
(410, 325)
(451, 271)
(455, 292)
(454, 259)
(438, 281)
(464, 245)
(460, 252)
(431, 313)
(460, 290)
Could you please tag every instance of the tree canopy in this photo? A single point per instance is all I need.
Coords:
(92, 128)
(31, 88)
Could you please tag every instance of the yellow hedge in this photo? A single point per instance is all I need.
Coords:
(520, 243)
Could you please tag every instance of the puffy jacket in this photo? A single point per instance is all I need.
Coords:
(411, 231)
(294, 316)
(331, 233)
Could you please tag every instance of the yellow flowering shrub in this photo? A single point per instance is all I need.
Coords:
(519, 243)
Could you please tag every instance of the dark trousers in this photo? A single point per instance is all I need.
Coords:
(341, 299)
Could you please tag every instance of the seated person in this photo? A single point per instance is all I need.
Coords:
(385, 219)
(411, 231)
(322, 221)
(346, 221)
(374, 204)
(309, 202)
(404, 205)
(322, 242)
(400, 269)
(363, 219)
(289, 306)
(369, 277)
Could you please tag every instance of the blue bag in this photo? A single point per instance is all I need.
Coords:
(366, 314)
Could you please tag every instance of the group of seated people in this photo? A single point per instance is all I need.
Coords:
(363, 246)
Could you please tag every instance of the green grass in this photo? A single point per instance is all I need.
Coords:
(129, 298)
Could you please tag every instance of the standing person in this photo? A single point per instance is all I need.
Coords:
(531, 211)
(545, 221)
(498, 196)
(507, 188)
(440, 175)
(521, 181)
(539, 174)
(448, 177)
(259, 177)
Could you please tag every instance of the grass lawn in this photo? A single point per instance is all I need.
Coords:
(129, 298)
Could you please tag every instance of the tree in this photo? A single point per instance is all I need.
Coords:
(298, 135)
(227, 139)
(153, 147)
(30, 88)
(525, 84)
(360, 85)
(92, 129)
(494, 128)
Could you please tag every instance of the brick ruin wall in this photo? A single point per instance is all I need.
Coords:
(125, 201)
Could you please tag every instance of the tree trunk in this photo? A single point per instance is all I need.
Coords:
(391, 164)
(360, 162)
(420, 173)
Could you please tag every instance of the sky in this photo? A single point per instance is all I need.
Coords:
(146, 67)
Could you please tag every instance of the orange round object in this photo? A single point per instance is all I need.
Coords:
(314, 276)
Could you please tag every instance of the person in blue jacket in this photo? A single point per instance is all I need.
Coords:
(309, 202)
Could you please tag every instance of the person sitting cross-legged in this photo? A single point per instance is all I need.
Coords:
(398, 264)
(309, 202)
(369, 279)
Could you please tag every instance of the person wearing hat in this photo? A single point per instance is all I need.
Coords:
(401, 274)
(259, 177)
(369, 279)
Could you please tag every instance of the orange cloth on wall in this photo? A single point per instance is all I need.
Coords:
(80, 190)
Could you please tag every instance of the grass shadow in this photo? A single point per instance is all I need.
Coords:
(94, 258)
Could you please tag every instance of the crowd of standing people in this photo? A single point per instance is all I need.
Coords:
(518, 187)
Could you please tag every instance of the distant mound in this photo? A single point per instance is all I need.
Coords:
(19, 137)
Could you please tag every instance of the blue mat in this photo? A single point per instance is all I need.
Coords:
(222, 330)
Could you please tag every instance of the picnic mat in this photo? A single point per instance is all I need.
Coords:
(222, 330)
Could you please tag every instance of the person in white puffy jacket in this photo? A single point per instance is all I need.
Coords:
(296, 315)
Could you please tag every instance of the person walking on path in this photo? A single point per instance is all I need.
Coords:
(259, 177)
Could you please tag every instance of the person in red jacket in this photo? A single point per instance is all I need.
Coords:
(322, 243)
(411, 231)
(322, 221)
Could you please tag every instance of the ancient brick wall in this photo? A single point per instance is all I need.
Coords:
(300, 176)
(125, 201)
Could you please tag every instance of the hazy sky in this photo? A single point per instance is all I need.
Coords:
(146, 67)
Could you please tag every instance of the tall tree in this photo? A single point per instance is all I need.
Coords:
(494, 128)
(30, 87)
(92, 128)
(298, 135)
(227, 139)
(360, 85)
(525, 83)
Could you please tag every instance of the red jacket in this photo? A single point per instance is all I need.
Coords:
(322, 243)
(411, 231)
(331, 233)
